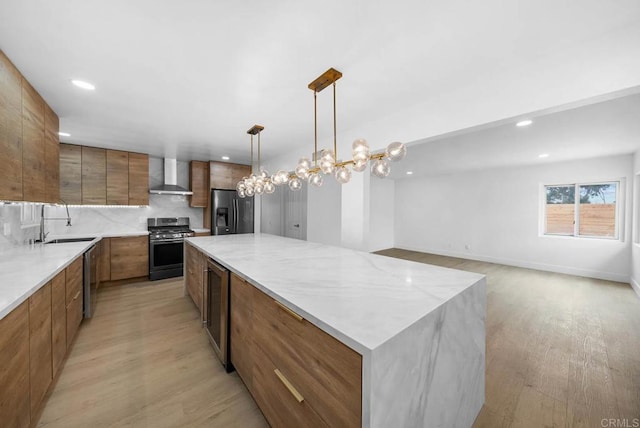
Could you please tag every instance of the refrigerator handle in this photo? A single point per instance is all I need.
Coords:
(235, 215)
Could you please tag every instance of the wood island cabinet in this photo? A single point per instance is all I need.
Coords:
(94, 176)
(104, 260)
(129, 257)
(40, 342)
(10, 130)
(194, 276)
(298, 374)
(199, 183)
(15, 407)
(117, 177)
(33, 147)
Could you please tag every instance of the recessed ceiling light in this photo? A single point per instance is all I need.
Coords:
(409, 172)
(225, 157)
(64, 134)
(84, 85)
(543, 155)
(524, 123)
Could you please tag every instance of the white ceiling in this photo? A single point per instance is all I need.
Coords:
(601, 129)
(188, 78)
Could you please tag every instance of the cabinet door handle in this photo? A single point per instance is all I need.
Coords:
(289, 311)
(299, 398)
(77, 294)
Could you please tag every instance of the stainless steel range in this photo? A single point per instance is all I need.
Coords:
(166, 246)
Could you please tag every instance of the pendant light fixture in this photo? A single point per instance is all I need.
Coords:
(326, 162)
(258, 182)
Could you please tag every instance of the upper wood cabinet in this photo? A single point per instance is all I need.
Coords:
(138, 179)
(33, 169)
(226, 175)
(198, 183)
(94, 176)
(51, 156)
(117, 177)
(10, 131)
(71, 173)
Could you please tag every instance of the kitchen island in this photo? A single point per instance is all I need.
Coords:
(419, 329)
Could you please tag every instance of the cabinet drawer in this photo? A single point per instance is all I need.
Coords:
(277, 401)
(73, 279)
(324, 370)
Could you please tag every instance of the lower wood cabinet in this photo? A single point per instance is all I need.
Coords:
(129, 257)
(298, 374)
(15, 410)
(58, 321)
(74, 298)
(40, 345)
(104, 260)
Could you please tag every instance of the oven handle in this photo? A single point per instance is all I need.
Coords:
(169, 241)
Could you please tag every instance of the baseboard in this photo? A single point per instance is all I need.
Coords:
(635, 286)
(608, 276)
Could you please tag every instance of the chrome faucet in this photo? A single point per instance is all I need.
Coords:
(43, 235)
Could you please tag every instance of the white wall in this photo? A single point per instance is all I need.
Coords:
(324, 213)
(497, 212)
(382, 219)
(635, 247)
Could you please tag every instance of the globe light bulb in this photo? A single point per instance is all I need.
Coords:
(380, 168)
(305, 162)
(240, 186)
(302, 171)
(360, 145)
(327, 155)
(258, 181)
(295, 184)
(269, 188)
(249, 192)
(343, 175)
(252, 179)
(315, 179)
(396, 151)
(264, 174)
(360, 156)
(359, 166)
(281, 177)
(259, 188)
(241, 194)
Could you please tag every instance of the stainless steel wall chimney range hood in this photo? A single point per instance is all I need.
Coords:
(170, 186)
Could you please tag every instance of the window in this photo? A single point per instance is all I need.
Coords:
(582, 209)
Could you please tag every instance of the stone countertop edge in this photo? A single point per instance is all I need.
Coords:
(353, 343)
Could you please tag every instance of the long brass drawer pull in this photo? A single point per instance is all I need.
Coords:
(77, 294)
(289, 311)
(299, 398)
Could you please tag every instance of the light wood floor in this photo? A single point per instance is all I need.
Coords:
(561, 351)
(144, 361)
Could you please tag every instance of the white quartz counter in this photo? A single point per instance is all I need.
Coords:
(419, 328)
(344, 292)
(24, 269)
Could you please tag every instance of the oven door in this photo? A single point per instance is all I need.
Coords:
(166, 256)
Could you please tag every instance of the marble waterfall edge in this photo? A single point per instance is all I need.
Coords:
(433, 373)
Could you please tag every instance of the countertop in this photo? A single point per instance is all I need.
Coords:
(361, 299)
(26, 268)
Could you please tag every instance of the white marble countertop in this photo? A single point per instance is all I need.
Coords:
(359, 298)
(201, 230)
(24, 269)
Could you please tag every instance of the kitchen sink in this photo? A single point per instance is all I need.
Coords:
(63, 240)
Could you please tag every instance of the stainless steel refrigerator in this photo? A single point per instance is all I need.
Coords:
(230, 213)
